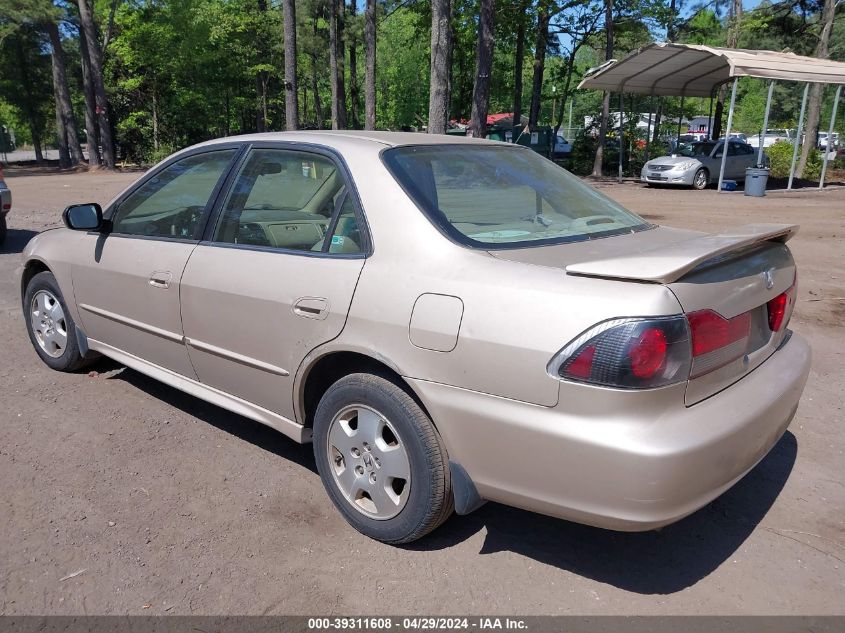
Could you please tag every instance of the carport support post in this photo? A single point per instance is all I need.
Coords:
(710, 118)
(830, 135)
(798, 132)
(765, 124)
(680, 116)
(621, 114)
(648, 129)
(727, 134)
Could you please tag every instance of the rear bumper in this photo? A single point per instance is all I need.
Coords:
(593, 460)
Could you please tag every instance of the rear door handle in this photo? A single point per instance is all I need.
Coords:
(161, 279)
(311, 308)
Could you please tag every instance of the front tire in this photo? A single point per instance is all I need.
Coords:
(701, 179)
(50, 326)
(381, 460)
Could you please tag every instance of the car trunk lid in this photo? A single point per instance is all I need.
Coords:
(734, 274)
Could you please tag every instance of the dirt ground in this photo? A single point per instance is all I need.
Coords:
(120, 495)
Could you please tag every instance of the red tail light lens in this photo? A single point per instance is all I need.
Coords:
(717, 341)
(648, 354)
(582, 365)
(780, 309)
(628, 354)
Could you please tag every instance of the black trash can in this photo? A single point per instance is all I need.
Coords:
(755, 181)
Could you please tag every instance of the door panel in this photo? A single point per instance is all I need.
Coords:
(251, 316)
(277, 278)
(120, 303)
(126, 283)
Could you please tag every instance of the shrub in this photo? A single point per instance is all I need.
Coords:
(780, 158)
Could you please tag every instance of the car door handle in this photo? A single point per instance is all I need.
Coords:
(311, 308)
(161, 279)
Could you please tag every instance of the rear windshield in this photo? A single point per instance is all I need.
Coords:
(504, 196)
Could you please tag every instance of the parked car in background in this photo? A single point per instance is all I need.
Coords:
(448, 320)
(697, 165)
(823, 142)
(739, 136)
(562, 148)
(772, 136)
(5, 206)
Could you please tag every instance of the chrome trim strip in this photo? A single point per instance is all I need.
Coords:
(238, 358)
(138, 325)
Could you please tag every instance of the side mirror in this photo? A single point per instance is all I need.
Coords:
(83, 217)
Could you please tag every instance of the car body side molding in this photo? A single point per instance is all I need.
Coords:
(296, 432)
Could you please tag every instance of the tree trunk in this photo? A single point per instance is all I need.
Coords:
(440, 86)
(291, 94)
(65, 121)
(91, 131)
(540, 45)
(341, 65)
(155, 119)
(261, 77)
(519, 62)
(733, 37)
(354, 92)
(658, 114)
(336, 66)
(570, 67)
(61, 137)
(814, 101)
(101, 100)
(318, 107)
(605, 104)
(370, 72)
(35, 127)
(483, 67)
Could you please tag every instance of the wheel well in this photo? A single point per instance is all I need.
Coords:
(332, 367)
(32, 268)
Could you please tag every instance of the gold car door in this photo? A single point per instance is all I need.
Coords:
(126, 282)
(276, 277)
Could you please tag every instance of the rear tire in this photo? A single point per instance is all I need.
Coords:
(701, 179)
(49, 324)
(3, 230)
(381, 460)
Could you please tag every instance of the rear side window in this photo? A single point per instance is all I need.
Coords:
(173, 202)
(504, 197)
(290, 200)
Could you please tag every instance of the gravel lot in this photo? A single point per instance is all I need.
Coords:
(155, 502)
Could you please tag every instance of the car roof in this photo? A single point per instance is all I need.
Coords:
(344, 137)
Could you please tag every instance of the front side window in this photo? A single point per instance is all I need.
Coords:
(504, 197)
(173, 202)
(289, 200)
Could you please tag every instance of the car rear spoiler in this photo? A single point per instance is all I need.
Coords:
(666, 264)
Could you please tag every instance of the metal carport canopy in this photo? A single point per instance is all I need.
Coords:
(696, 71)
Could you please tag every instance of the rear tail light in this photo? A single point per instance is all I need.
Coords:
(643, 353)
(628, 353)
(780, 308)
(717, 341)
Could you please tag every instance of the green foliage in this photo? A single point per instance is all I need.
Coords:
(780, 159)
